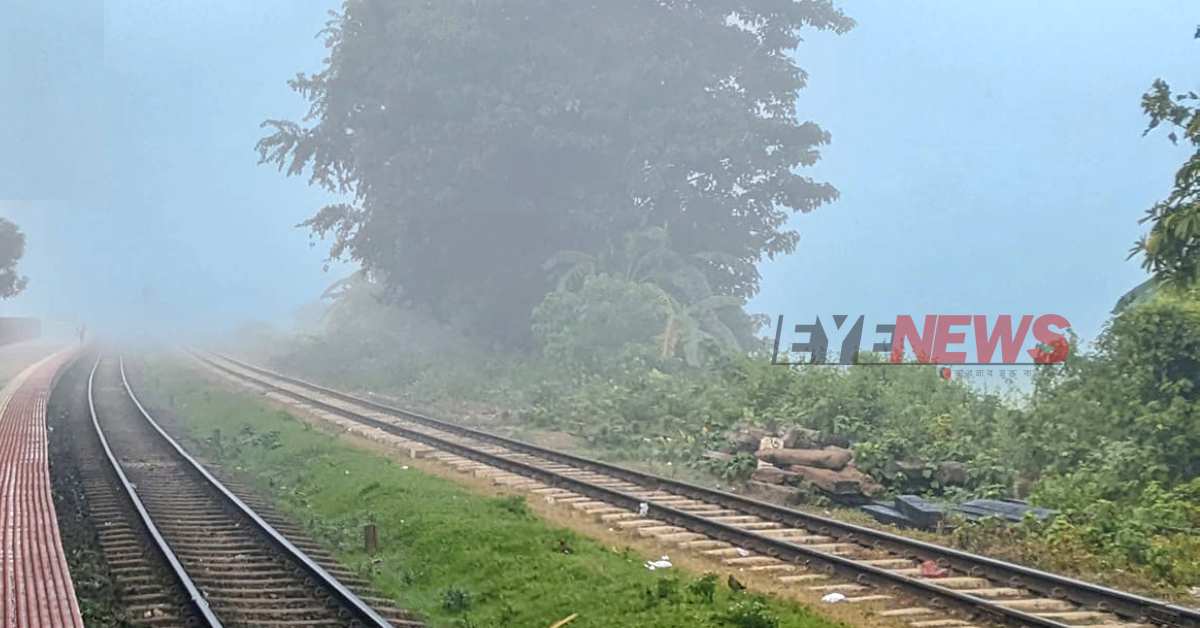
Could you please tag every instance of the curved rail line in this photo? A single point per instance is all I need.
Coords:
(196, 601)
(236, 568)
(996, 591)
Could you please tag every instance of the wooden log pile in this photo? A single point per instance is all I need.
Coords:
(807, 463)
(833, 458)
(798, 462)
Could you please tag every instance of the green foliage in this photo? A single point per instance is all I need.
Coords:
(635, 410)
(1108, 438)
(1172, 248)
(750, 613)
(740, 467)
(604, 318)
(665, 590)
(1129, 526)
(644, 255)
(450, 555)
(479, 137)
(704, 588)
(1141, 386)
(696, 313)
(1114, 437)
(12, 248)
(641, 410)
(226, 448)
(514, 505)
(456, 600)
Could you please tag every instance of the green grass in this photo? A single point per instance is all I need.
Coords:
(455, 557)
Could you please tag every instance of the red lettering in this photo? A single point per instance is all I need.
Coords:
(946, 336)
(906, 331)
(1053, 346)
(1002, 334)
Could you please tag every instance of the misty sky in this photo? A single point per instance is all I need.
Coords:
(989, 156)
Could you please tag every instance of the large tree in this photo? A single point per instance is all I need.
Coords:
(1172, 248)
(476, 138)
(12, 248)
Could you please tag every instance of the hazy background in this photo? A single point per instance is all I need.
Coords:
(989, 156)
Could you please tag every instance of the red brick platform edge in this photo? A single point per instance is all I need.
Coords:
(35, 585)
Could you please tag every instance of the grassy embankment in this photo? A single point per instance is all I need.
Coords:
(1109, 438)
(457, 558)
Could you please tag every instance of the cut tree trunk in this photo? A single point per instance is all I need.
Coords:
(801, 438)
(773, 475)
(745, 440)
(829, 481)
(833, 458)
(848, 481)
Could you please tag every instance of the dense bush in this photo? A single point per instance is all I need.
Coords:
(594, 325)
(1114, 438)
(1110, 438)
(1141, 526)
(1141, 386)
(645, 408)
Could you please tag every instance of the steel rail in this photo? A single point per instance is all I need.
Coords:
(1085, 594)
(781, 549)
(359, 609)
(196, 599)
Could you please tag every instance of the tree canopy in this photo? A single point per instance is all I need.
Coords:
(1172, 248)
(475, 139)
(12, 248)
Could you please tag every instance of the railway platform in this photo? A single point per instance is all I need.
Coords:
(35, 585)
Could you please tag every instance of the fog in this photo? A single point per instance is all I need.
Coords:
(133, 173)
(962, 134)
(629, 231)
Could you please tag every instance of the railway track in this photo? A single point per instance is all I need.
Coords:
(166, 516)
(799, 549)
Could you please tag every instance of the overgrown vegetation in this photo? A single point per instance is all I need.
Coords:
(599, 294)
(1110, 438)
(455, 557)
(1116, 438)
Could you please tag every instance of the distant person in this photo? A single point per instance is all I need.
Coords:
(82, 333)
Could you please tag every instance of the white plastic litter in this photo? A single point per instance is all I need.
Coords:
(743, 553)
(662, 563)
(643, 509)
(833, 598)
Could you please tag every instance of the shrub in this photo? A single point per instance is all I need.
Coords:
(1142, 386)
(1129, 527)
(704, 588)
(750, 613)
(456, 600)
(591, 327)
